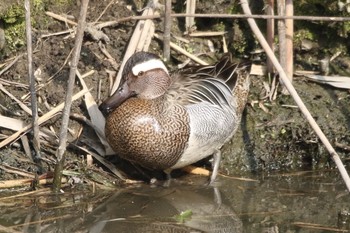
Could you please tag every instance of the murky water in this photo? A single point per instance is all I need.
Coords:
(296, 202)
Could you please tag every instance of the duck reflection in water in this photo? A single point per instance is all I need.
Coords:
(147, 209)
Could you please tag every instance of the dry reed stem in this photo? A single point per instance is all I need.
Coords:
(49, 219)
(110, 58)
(8, 229)
(226, 16)
(180, 15)
(167, 30)
(97, 118)
(281, 27)
(295, 95)
(31, 81)
(143, 29)
(204, 34)
(196, 170)
(16, 171)
(60, 18)
(145, 37)
(335, 81)
(11, 64)
(183, 51)
(69, 92)
(318, 227)
(27, 182)
(26, 147)
(104, 11)
(47, 116)
(224, 45)
(57, 33)
(24, 194)
(289, 11)
(190, 9)
(270, 33)
(22, 105)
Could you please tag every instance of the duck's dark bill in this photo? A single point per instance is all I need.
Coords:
(114, 101)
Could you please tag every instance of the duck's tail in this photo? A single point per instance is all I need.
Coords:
(236, 77)
(210, 80)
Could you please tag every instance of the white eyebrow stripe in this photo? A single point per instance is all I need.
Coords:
(149, 65)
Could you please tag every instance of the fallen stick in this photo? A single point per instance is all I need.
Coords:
(22, 105)
(61, 18)
(183, 51)
(295, 95)
(41, 119)
(8, 169)
(26, 182)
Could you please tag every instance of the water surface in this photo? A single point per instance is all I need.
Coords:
(296, 202)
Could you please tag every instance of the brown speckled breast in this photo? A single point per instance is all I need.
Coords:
(148, 132)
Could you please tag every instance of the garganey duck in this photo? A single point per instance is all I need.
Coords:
(164, 121)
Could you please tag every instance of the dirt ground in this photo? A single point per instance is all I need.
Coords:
(273, 135)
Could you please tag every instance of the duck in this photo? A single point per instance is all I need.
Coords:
(168, 121)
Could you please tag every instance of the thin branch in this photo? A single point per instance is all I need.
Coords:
(11, 64)
(68, 101)
(233, 16)
(295, 95)
(238, 16)
(228, 16)
(31, 80)
(104, 11)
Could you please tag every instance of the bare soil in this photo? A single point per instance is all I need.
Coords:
(273, 134)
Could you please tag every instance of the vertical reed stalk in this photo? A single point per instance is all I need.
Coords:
(60, 153)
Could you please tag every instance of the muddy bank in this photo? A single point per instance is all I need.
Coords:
(279, 137)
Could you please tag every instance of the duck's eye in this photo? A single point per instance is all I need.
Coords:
(140, 73)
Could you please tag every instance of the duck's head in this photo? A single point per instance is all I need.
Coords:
(144, 76)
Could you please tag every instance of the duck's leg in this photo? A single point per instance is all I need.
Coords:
(215, 165)
(168, 177)
(217, 197)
